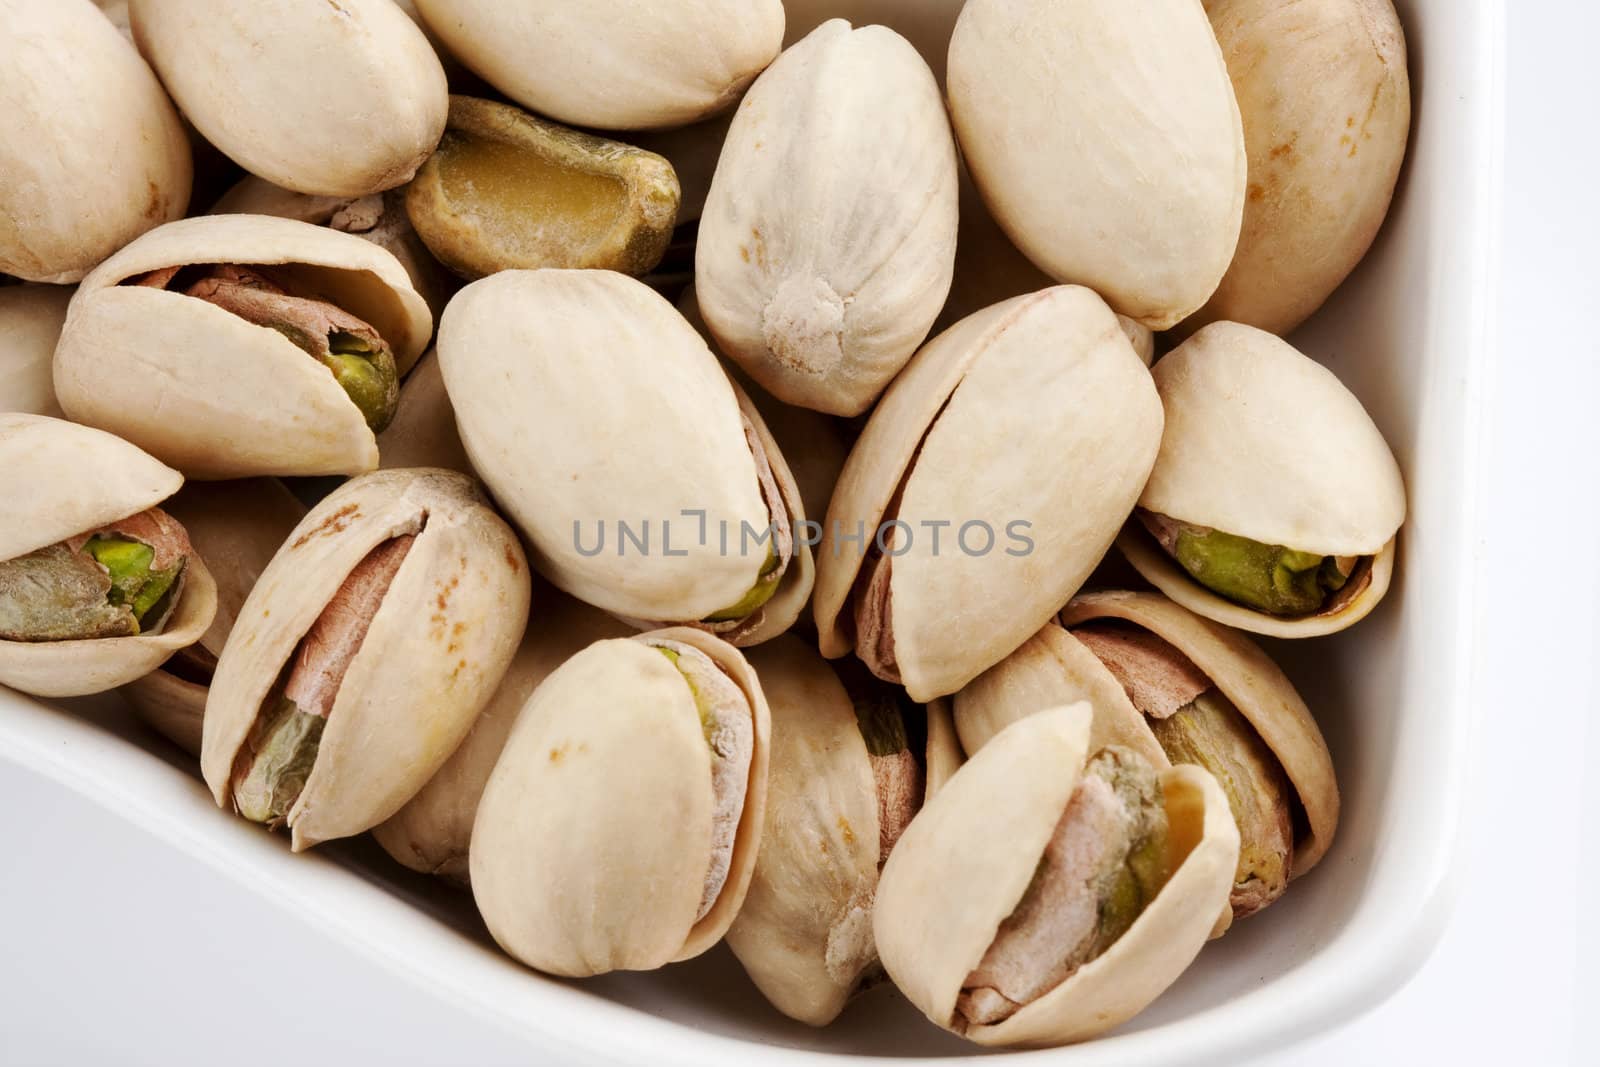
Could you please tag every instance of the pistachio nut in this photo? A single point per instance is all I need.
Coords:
(1275, 502)
(845, 782)
(620, 826)
(926, 26)
(433, 832)
(1050, 891)
(829, 235)
(423, 433)
(1325, 96)
(31, 317)
(1178, 689)
(613, 64)
(363, 654)
(338, 99)
(233, 346)
(97, 584)
(1148, 215)
(969, 511)
(508, 190)
(574, 390)
(379, 218)
(236, 528)
(117, 162)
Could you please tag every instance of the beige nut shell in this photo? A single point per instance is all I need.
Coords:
(973, 431)
(613, 64)
(1105, 138)
(31, 317)
(435, 650)
(92, 153)
(339, 99)
(591, 842)
(210, 393)
(828, 240)
(966, 860)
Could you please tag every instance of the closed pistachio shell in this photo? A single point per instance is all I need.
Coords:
(925, 25)
(1264, 443)
(339, 99)
(117, 162)
(31, 317)
(828, 240)
(613, 64)
(210, 392)
(423, 433)
(970, 856)
(593, 840)
(433, 832)
(1106, 140)
(972, 433)
(581, 392)
(1326, 100)
(426, 661)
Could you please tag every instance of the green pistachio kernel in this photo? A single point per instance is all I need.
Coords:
(367, 374)
(282, 749)
(1267, 578)
(756, 598)
(133, 582)
(106, 590)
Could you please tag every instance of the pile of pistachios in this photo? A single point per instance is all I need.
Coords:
(682, 488)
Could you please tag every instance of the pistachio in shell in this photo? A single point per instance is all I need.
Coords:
(621, 824)
(31, 317)
(510, 191)
(1275, 502)
(1050, 892)
(363, 654)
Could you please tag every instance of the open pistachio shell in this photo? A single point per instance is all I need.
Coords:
(596, 842)
(236, 528)
(339, 99)
(31, 317)
(613, 64)
(433, 832)
(972, 436)
(577, 390)
(427, 654)
(967, 860)
(829, 236)
(207, 390)
(92, 153)
(423, 433)
(1264, 443)
(65, 480)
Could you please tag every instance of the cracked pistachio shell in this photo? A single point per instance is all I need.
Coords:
(67, 479)
(591, 843)
(583, 398)
(236, 528)
(967, 859)
(433, 832)
(828, 240)
(1325, 96)
(1105, 138)
(423, 433)
(974, 431)
(1264, 442)
(613, 64)
(92, 153)
(31, 317)
(339, 99)
(209, 392)
(436, 647)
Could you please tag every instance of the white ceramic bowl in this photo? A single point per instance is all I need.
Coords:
(1410, 334)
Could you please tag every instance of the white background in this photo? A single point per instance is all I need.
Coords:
(111, 957)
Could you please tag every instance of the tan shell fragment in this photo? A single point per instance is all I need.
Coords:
(967, 860)
(209, 392)
(591, 845)
(829, 236)
(436, 646)
(338, 99)
(613, 64)
(973, 432)
(423, 433)
(1326, 100)
(69, 479)
(584, 399)
(31, 317)
(1105, 138)
(1265, 443)
(92, 154)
